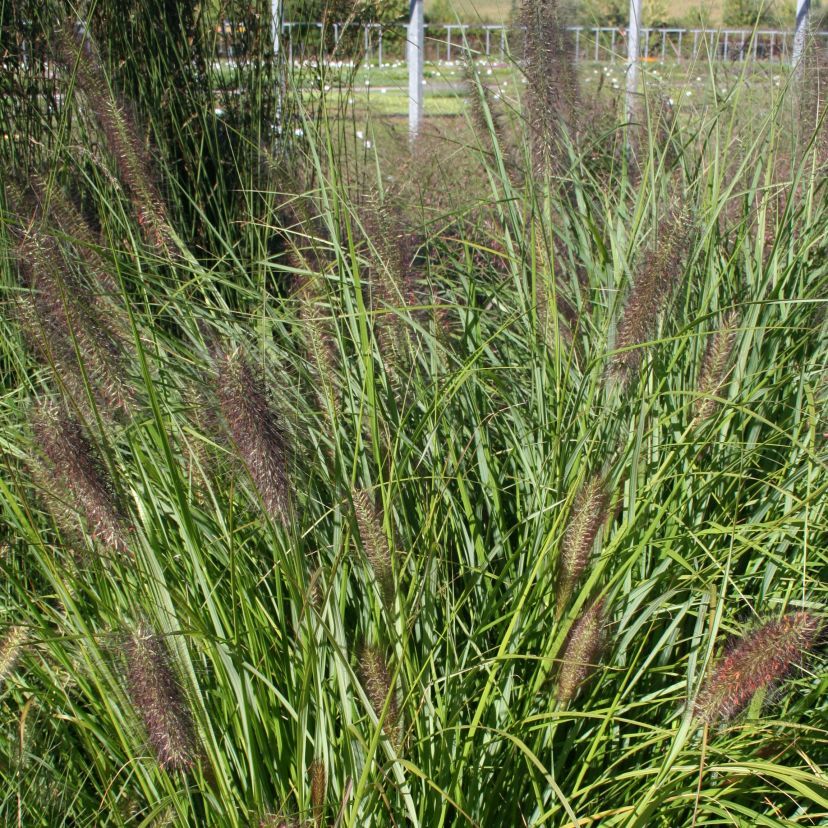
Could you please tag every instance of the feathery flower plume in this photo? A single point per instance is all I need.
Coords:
(581, 651)
(73, 466)
(374, 542)
(551, 82)
(78, 54)
(60, 506)
(318, 789)
(376, 680)
(653, 287)
(65, 328)
(10, 647)
(86, 241)
(761, 659)
(714, 370)
(158, 699)
(589, 511)
(256, 432)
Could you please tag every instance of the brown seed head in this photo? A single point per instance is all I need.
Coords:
(374, 542)
(256, 433)
(552, 93)
(73, 466)
(759, 660)
(318, 790)
(581, 651)
(377, 683)
(657, 275)
(714, 370)
(589, 511)
(78, 54)
(10, 647)
(158, 700)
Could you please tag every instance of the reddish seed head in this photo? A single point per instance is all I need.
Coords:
(760, 659)
(581, 651)
(158, 700)
(374, 542)
(256, 433)
(588, 513)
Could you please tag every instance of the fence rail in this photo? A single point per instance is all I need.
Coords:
(381, 44)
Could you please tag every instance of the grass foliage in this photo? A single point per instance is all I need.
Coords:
(329, 502)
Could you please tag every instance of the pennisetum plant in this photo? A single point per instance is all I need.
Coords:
(589, 512)
(581, 651)
(759, 660)
(655, 279)
(77, 53)
(70, 464)
(158, 699)
(374, 542)
(376, 680)
(257, 435)
(714, 371)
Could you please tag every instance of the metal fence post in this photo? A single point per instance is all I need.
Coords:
(632, 57)
(415, 44)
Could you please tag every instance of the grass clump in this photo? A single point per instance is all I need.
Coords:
(415, 486)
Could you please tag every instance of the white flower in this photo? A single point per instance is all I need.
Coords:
(368, 145)
(299, 131)
(360, 134)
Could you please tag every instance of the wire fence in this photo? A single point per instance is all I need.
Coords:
(383, 44)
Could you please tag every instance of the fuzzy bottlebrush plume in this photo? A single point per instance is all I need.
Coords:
(759, 660)
(158, 700)
(318, 789)
(374, 542)
(654, 282)
(581, 651)
(10, 648)
(551, 83)
(376, 680)
(71, 222)
(714, 370)
(66, 330)
(256, 433)
(588, 514)
(73, 466)
(78, 55)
